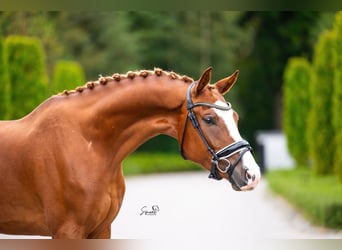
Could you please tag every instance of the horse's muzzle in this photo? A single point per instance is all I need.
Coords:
(251, 178)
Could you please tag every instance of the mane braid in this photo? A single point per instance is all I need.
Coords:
(129, 75)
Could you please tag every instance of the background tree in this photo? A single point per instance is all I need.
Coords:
(296, 99)
(277, 36)
(100, 41)
(25, 60)
(39, 24)
(4, 85)
(337, 95)
(67, 75)
(321, 136)
(188, 42)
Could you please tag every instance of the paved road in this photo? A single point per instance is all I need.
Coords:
(191, 206)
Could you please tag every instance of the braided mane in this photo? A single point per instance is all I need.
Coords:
(129, 75)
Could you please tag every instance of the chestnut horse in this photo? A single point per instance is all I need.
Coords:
(60, 166)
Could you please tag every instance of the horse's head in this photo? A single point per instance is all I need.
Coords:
(213, 140)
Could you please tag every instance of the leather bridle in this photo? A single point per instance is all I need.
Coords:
(221, 157)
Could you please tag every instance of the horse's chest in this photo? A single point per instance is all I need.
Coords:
(117, 194)
(112, 203)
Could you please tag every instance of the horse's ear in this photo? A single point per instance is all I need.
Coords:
(204, 80)
(225, 84)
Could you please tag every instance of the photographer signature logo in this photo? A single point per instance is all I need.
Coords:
(146, 211)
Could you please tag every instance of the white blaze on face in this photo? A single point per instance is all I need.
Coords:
(247, 159)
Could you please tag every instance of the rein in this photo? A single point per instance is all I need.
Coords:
(222, 156)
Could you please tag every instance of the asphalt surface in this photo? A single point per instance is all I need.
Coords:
(191, 206)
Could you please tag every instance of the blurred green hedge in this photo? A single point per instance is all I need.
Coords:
(146, 163)
(337, 96)
(297, 78)
(320, 131)
(25, 60)
(4, 84)
(67, 75)
(319, 198)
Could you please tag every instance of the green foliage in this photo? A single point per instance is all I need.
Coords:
(146, 163)
(296, 99)
(337, 96)
(4, 85)
(26, 67)
(277, 36)
(67, 75)
(187, 42)
(100, 41)
(39, 24)
(318, 197)
(321, 136)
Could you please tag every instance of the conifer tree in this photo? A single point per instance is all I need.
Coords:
(321, 136)
(337, 95)
(25, 60)
(67, 75)
(297, 78)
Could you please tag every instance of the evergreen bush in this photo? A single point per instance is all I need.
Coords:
(4, 85)
(67, 75)
(321, 136)
(337, 96)
(25, 59)
(297, 78)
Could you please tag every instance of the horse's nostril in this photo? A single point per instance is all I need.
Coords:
(249, 176)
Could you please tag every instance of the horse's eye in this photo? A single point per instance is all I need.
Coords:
(209, 120)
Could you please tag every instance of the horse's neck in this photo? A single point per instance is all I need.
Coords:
(124, 116)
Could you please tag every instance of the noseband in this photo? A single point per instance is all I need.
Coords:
(222, 156)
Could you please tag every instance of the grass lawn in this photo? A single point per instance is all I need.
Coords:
(145, 163)
(319, 198)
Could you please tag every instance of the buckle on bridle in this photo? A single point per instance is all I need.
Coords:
(223, 155)
(226, 167)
